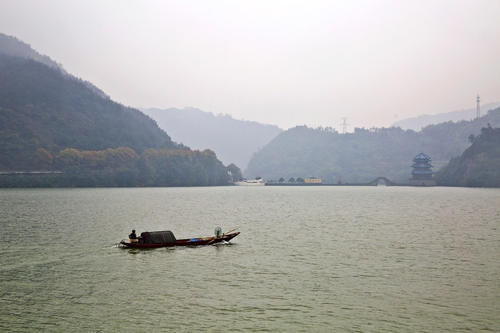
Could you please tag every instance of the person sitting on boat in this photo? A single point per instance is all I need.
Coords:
(133, 237)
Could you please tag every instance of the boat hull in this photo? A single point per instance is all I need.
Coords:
(183, 242)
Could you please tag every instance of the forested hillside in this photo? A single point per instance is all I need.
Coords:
(365, 154)
(233, 140)
(51, 120)
(41, 107)
(478, 166)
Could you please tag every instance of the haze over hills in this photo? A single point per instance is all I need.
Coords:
(234, 141)
(12, 46)
(42, 107)
(479, 165)
(365, 154)
(51, 120)
(419, 122)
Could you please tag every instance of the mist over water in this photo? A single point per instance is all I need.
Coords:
(307, 259)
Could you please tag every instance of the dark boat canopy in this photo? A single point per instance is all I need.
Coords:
(158, 237)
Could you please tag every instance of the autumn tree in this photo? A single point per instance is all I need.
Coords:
(43, 159)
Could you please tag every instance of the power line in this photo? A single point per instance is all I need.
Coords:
(478, 107)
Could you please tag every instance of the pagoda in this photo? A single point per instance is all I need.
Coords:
(421, 174)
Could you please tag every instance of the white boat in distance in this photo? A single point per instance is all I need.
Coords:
(250, 182)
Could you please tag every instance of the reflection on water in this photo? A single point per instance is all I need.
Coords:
(307, 259)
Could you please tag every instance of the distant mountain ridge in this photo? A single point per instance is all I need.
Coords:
(364, 155)
(419, 122)
(234, 141)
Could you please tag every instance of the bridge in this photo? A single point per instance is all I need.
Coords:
(377, 181)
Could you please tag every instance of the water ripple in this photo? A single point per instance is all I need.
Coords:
(308, 259)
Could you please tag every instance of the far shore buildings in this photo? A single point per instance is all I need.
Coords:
(313, 180)
(422, 174)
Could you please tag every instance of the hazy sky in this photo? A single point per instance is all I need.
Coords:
(281, 62)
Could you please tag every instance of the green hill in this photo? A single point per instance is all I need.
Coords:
(479, 165)
(51, 120)
(365, 154)
(42, 107)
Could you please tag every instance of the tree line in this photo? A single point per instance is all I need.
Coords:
(124, 167)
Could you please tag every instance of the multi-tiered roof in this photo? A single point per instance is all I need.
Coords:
(422, 167)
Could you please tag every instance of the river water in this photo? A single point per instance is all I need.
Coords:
(308, 259)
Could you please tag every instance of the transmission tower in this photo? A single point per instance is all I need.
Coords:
(478, 107)
(344, 125)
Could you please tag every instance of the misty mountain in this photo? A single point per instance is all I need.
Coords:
(51, 120)
(42, 107)
(14, 47)
(233, 140)
(479, 165)
(365, 154)
(419, 122)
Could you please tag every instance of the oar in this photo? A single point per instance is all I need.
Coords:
(230, 231)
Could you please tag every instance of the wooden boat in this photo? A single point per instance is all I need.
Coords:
(180, 242)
